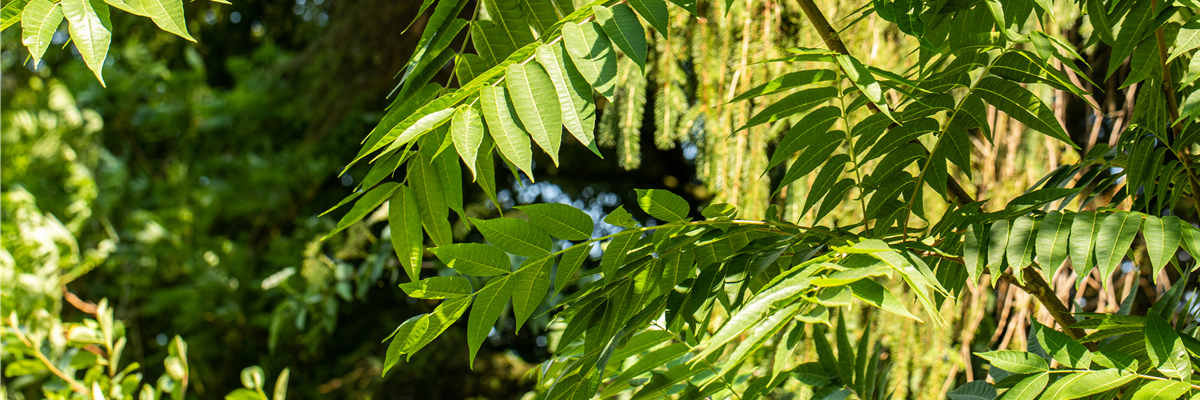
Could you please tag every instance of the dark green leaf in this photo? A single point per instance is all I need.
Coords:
(623, 27)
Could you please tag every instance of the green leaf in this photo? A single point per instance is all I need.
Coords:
(997, 248)
(1162, 240)
(489, 303)
(511, 27)
(365, 204)
(168, 15)
(560, 220)
(749, 315)
(569, 264)
(540, 13)
(834, 198)
(1135, 26)
(244, 394)
(811, 128)
(504, 128)
(421, 126)
(1109, 325)
(900, 136)
(1084, 228)
(895, 161)
(845, 351)
(1017, 362)
(1165, 349)
(1052, 241)
(647, 362)
(620, 217)
(431, 199)
(473, 259)
(817, 152)
(1098, 16)
(1191, 238)
(654, 12)
(1162, 390)
(718, 211)
(1087, 383)
(1115, 237)
(1028, 388)
(689, 5)
(28, 366)
(623, 27)
(91, 31)
(663, 204)
(396, 348)
(403, 112)
(533, 97)
(467, 66)
(846, 276)
(593, 55)
(974, 251)
(1187, 39)
(1145, 60)
(1020, 247)
(787, 82)
(11, 13)
(1117, 359)
(514, 236)
(615, 251)
(433, 324)
(793, 104)
(438, 287)
(466, 129)
(404, 219)
(1022, 105)
(530, 284)
(959, 148)
(39, 20)
(421, 11)
(755, 340)
(974, 390)
(677, 266)
(1063, 348)
(864, 81)
(574, 93)
(875, 294)
(825, 180)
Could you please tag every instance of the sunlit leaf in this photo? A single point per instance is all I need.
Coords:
(530, 283)
(514, 236)
(503, 126)
(593, 55)
(489, 303)
(90, 31)
(39, 20)
(534, 100)
(473, 259)
(437, 287)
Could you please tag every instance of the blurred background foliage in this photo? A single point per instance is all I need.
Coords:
(186, 196)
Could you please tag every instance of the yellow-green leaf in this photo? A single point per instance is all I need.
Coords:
(90, 30)
(39, 20)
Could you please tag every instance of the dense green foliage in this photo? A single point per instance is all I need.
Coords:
(751, 295)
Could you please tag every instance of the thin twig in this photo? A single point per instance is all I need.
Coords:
(37, 352)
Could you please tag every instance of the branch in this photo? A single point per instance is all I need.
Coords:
(830, 37)
(37, 352)
(1039, 288)
(1173, 112)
